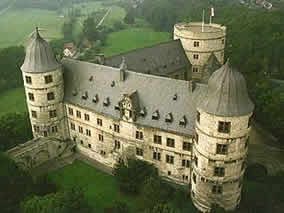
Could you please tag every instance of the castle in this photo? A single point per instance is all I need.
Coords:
(175, 104)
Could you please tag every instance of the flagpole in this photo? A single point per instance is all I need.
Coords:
(203, 21)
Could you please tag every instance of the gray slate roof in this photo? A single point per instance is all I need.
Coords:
(226, 94)
(154, 93)
(160, 59)
(211, 66)
(39, 56)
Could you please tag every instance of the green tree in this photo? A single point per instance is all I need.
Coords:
(161, 208)
(89, 29)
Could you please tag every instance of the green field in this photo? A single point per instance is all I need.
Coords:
(16, 25)
(13, 101)
(101, 190)
(132, 38)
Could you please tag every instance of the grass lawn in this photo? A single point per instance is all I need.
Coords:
(132, 38)
(16, 25)
(13, 101)
(101, 190)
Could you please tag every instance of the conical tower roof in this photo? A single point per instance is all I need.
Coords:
(227, 93)
(39, 56)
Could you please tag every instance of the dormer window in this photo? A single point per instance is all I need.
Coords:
(85, 96)
(183, 121)
(155, 115)
(95, 99)
(142, 112)
(169, 118)
(106, 101)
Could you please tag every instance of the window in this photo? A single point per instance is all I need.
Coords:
(78, 114)
(194, 177)
(195, 69)
(45, 133)
(219, 171)
(196, 44)
(90, 146)
(101, 138)
(184, 177)
(157, 139)
(72, 126)
(171, 142)
(80, 129)
(34, 114)
(87, 117)
(196, 138)
(54, 129)
(186, 146)
(139, 152)
(52, 114)
(196, 161)
(169, 173)
(48, 79)
(195, 56)
(139, 135)
(99, 122)
(217, 189)
(82, 142)
(224, 127)
(28, 79)
(31, 96)
(222, 149)
(116, 128)
(223, 41)
(170, 159)
(157, 156)
(50, 96)
(198, 116)
(70, 110)
(88, 132)
(185, 163)
(36, 128)
(116, 144)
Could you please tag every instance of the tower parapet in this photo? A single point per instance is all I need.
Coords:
(199, 42)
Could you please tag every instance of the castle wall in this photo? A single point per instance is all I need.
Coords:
(106, 153)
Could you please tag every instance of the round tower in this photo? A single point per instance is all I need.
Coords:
(199, 42)
(221, 141)
(44, 88)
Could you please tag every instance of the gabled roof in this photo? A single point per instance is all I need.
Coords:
(39, 56)
(160, 59)
(77, 75)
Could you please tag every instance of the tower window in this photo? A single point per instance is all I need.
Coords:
(224, 127)
(222, 149)
(48, 79)
(195, 56)
(31, 96)
(50, 96)
(28, 79)
(157, 156)
(157, 139)
(34, 114)
(219, 171)
(198, 116)
(186, 146)
(139, 135)
(194, 177)
(170, 159)
(217, 189)
(139, 152)
(171, 142)
(196, 44)
(194, 69)
(52, 114)
(90, 146)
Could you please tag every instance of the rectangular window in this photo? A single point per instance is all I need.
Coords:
(45, 133)
(88, 132)
(101, 138)
(219, 171)
(52, 114)
(54, 129)
(139, 135)
(50, 96)
(28, 80)
(99, 122)
(195, 56)
(116, 128)
(186, 146)
(157, 139)
(116, 144)
(31, 96)
(157, 156)
(198, 116)
(139, 152)
(171, 142)
(90, 146)
(78, 114)
(36, 128)
(48, 79)
(224, 127)
(185, 163)
(72, 126)
(169, 159)
(217, 189)
(196, 44)
(195, 69)
(222, 149)
(87, 117)
(70, 110)
(34, 114)
(80, 129)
